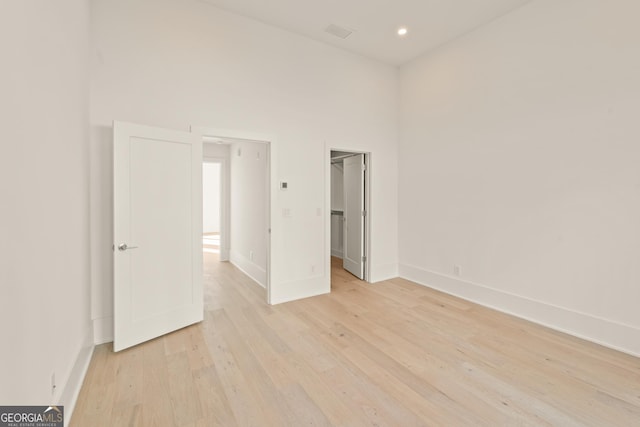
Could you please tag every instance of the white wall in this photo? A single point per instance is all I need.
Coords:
(177, 63)
(44, 220)
(337, 235)
(337, 203)
(519, 162)
(211, 197)
(337, 186)
(249, 208)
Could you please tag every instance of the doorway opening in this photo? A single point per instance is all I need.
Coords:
(212, 207)
(215, 198)
(349, 229)
(245, 205)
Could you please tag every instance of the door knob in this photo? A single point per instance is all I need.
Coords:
(123, 247)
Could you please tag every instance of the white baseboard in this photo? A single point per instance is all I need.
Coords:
(380, 272)
(249, 268)
(615, 335)
(103, 330)
(298, 289)
(336, 253)
(71, 390)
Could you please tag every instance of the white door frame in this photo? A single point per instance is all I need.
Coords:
(367, 204)
(224, 204)
(270, 140)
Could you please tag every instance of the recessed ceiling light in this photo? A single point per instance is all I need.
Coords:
(402, 31)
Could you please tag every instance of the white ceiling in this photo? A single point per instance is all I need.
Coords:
(375, 22)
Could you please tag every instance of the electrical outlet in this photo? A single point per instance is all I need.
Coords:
(313, 268)
(53, 383)
(251, 255)
(457, 270)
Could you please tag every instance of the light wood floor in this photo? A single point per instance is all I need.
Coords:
(390, 354)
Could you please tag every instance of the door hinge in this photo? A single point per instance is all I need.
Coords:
(364, 258)
(364, 213)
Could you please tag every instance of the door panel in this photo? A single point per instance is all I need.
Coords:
(158, 214)
(353, 215)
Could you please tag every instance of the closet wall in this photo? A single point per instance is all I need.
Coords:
(337, 208)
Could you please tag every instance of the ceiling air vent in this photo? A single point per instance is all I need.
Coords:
(338, 31)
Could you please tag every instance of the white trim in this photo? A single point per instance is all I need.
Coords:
(102, 330)
(381, 272)
(248, 267)
(71, 391)
(298, 289)
(207, 131)
(609, 333)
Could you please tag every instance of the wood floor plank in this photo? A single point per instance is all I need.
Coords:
(301, 409)
(241, 394)
(182, 390)
(157, 406)
(389, 354)
(216, 410)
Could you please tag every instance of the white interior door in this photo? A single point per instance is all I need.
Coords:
(157, 232)
(354, 215)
